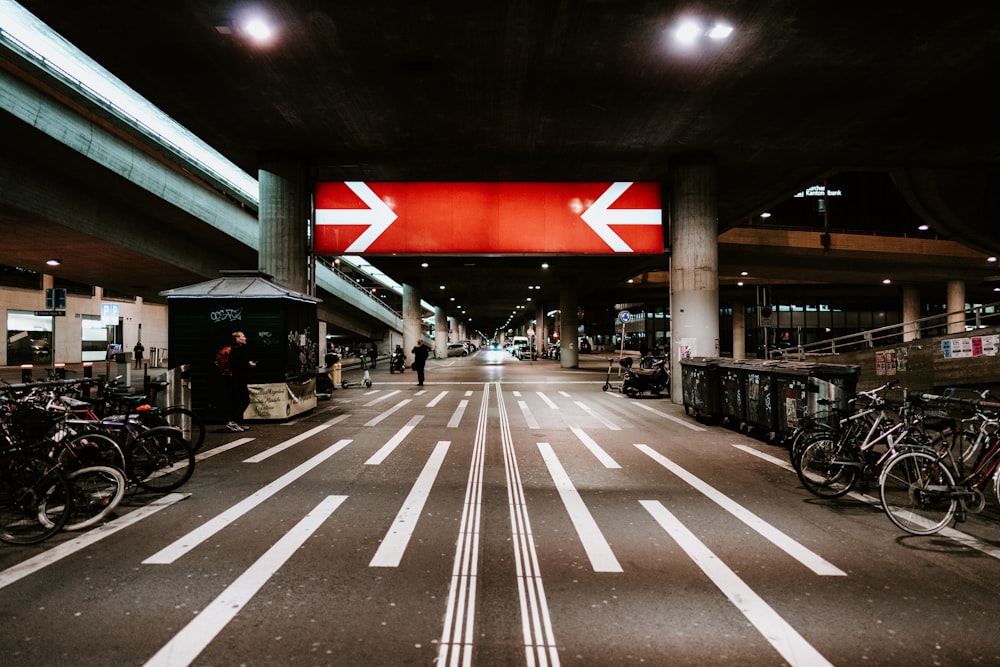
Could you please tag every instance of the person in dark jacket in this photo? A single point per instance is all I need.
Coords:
(420, 353)
(238, 378)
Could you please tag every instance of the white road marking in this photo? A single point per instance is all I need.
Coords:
(528, 417)
(209, 453)
(536, 621)
(794, 549)
(383, 453)
(682, 422)
(437, 399)
(782, 636)
(456, 418)
(595, 448)
(187, 644)
(602, 559)
(179, 547)
(382, 398)
(390, 552)
(281, 446)
(611, 425)
(958, 536)
(457, 635)
(96, 534)
(547, 400)
(376, 420)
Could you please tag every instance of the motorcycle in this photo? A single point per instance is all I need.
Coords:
(642, 380)
(397, 362)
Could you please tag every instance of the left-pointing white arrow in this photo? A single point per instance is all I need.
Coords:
(600, 216)
(378, 216)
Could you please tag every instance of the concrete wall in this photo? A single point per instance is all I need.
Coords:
(925, 367)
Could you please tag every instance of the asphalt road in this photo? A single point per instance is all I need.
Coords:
(506, 513)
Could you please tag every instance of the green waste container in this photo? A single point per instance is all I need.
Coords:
(791, 392)
(761, 399)
(700, 385)
(732, 387)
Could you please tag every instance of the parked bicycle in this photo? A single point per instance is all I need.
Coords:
(923, 491)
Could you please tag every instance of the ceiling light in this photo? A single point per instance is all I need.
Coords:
(424, 265)
(687, 32)
(545, 265)
(991, 259)
(924, 227)
(258, 29)
(719, 31)
(53, 262)
(886, 281)
(765, 214)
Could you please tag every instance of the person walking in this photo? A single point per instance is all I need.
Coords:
(137, 353)
(420, 353)
(373, 353)
(236, 371)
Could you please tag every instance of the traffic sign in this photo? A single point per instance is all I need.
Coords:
(55, 297)
(499, 218)
(624, 316)
(109, 314)
(50, 313)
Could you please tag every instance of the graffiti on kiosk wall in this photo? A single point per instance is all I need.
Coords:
(302, 350)
(226, 315)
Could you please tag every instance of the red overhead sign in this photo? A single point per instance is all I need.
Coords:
(354, 217)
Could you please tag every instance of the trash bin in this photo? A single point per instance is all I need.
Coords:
(791, 389)
(831, 386)
(760, 397)
(700, 386)
(732, 403)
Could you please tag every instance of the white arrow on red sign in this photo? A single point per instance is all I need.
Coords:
(501, 218)
(600, 216)
(378, 217)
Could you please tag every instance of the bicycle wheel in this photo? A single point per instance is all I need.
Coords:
(160, 459)
(35, 499)
(97, 490)
(188, 422)
(92, 448)
(825, 468)
(917, 493)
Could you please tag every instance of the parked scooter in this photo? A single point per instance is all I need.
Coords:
(397, 361)
(642, 380)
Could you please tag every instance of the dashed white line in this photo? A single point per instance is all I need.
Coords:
(782, 636)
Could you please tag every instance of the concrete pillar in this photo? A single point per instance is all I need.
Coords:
(284, 223)
(452, 328)
(412, 320)
(694, 263)
(440, 333)
(956, 306)
(739, 330)
(540, 335)
(911, 312)
(569, 324)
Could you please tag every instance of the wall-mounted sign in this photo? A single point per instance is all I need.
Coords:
(354, 217)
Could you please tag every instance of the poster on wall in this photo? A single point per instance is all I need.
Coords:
(958, 348)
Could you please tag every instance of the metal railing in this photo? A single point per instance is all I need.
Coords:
(972, 319)
(364, 290)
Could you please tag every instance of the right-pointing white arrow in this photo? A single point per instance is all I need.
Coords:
(600, 216)
(378, 216)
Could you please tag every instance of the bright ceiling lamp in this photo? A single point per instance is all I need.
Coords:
(690, 30)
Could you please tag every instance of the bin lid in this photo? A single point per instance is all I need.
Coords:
(700, 361)
(824, 371)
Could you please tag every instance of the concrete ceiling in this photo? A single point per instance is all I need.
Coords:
(588, 90)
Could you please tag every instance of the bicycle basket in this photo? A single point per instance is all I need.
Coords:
(29, 423)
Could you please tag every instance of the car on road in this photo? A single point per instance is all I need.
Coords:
(457, 350)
